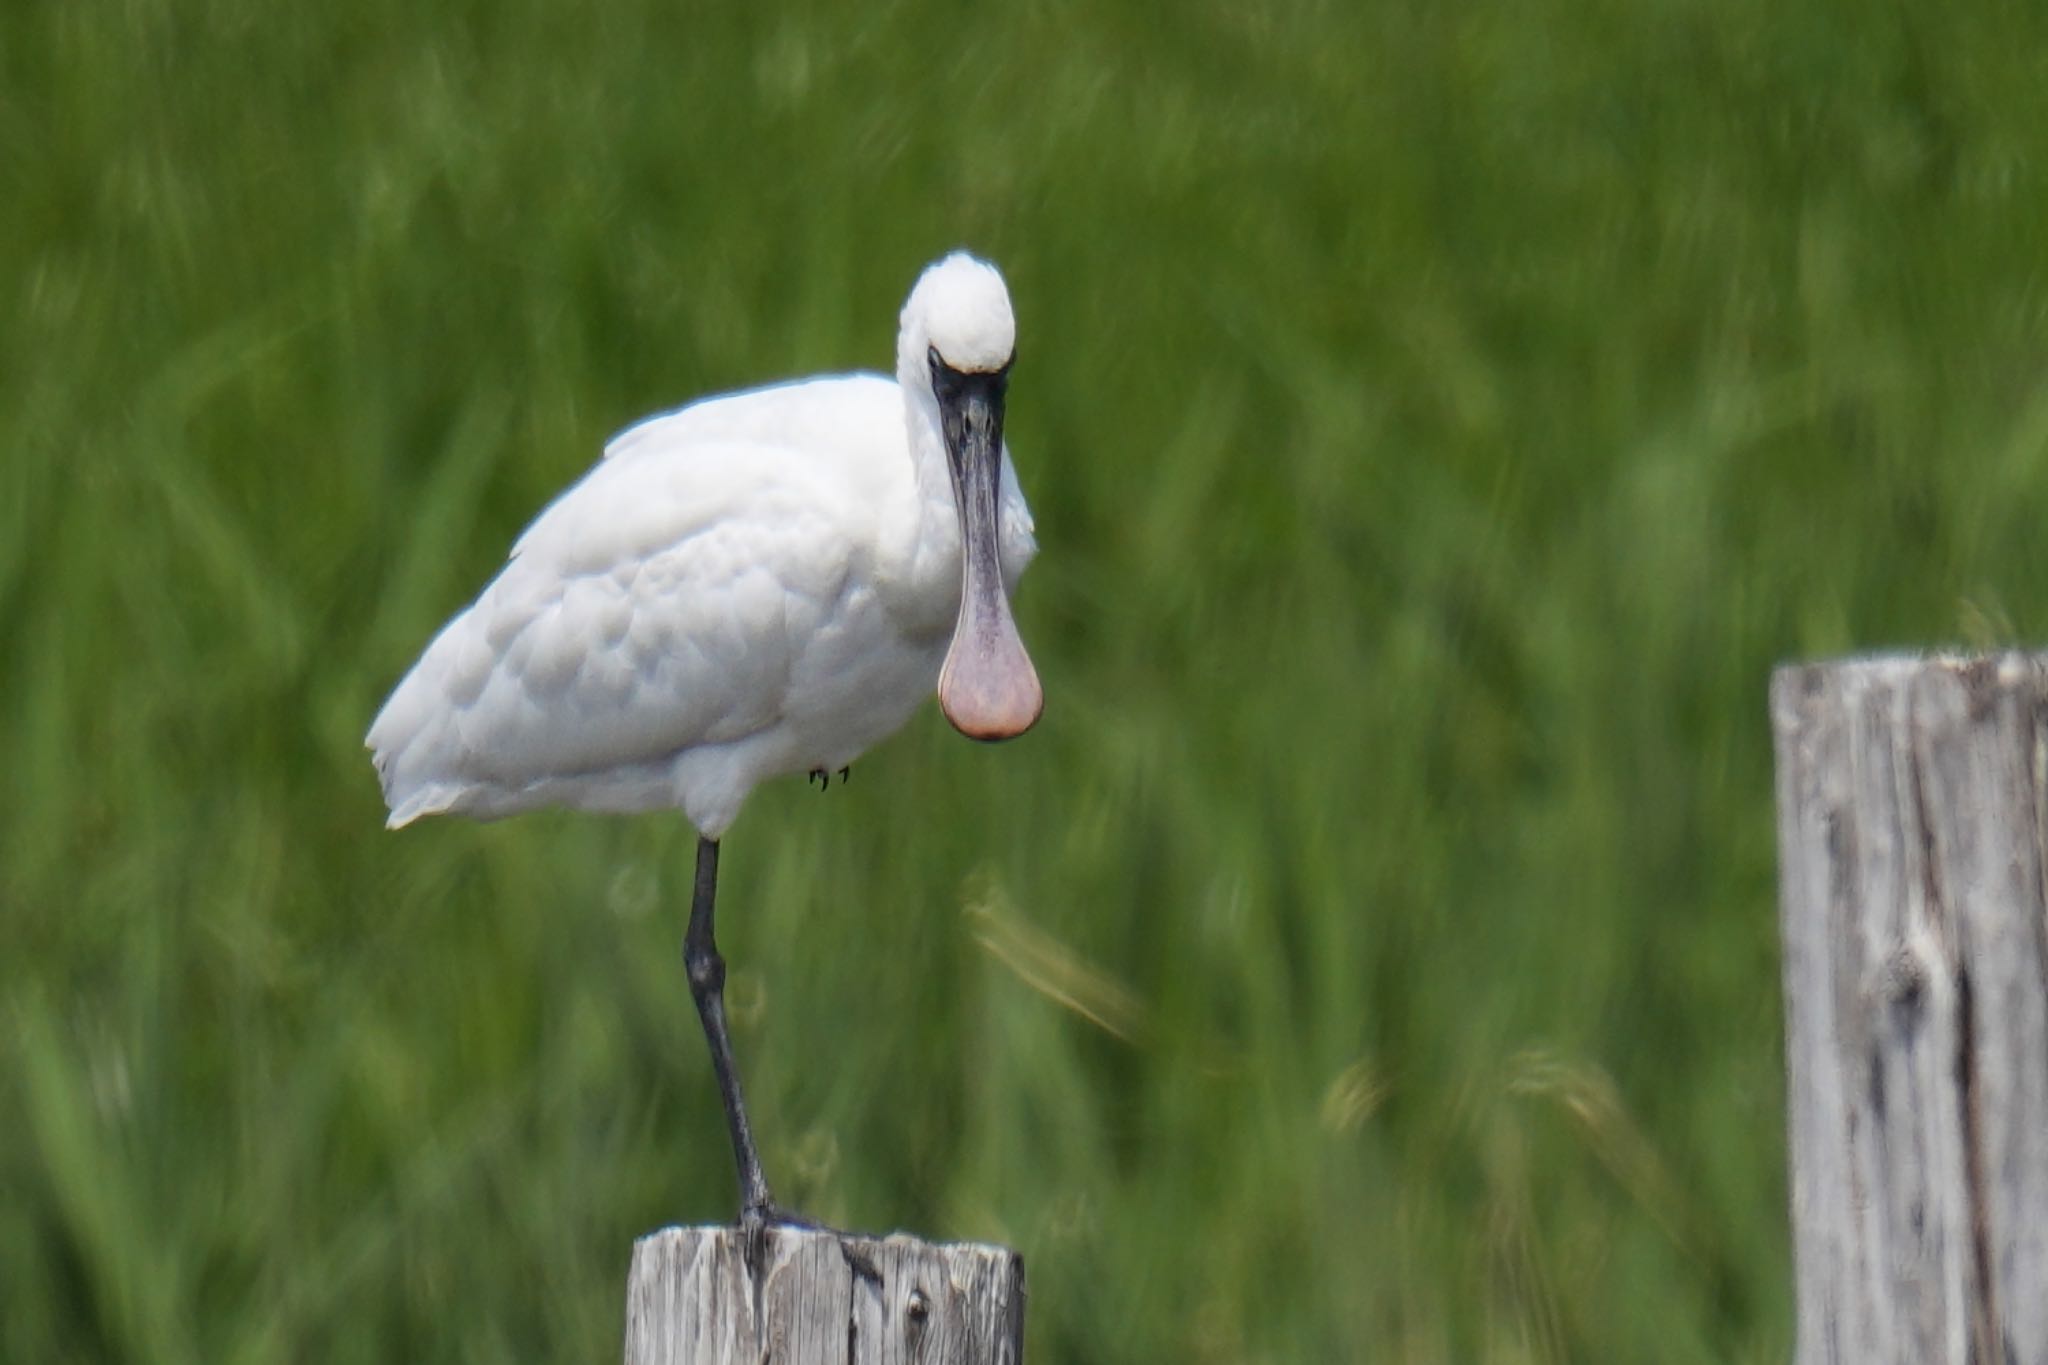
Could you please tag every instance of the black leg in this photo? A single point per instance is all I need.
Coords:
(707, 988)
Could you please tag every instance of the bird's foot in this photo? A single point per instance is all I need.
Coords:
(766, 1216)
(824, 778)
(757, 1221)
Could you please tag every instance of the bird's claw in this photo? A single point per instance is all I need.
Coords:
(824, 778)
(761, 1217)
(758, 1222)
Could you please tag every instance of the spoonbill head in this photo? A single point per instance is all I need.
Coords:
(755, 585)
(954, 352)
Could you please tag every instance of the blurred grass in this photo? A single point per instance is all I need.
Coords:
(1438, 418)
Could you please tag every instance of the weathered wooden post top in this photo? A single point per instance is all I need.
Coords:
(1913, 852)
(808, 1296)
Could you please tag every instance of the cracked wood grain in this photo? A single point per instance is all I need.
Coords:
(1913, 853)
(812, 1296)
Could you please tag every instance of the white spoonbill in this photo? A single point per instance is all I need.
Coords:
(754, 585)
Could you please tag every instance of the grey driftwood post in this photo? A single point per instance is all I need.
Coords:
(1912, 824)
(819, 1296)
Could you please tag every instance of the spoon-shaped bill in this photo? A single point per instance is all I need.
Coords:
(987, 687)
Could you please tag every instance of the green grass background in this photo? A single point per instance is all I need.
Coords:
(1438, 417)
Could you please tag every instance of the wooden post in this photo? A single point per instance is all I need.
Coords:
(1913, 849)
(816, 1296)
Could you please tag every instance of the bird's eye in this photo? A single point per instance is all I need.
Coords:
(945, 379)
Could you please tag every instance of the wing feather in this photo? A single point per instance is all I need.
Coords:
(658, 604)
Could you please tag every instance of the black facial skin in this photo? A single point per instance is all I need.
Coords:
(969, 400)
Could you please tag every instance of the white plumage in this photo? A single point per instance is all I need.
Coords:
(755, 585)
